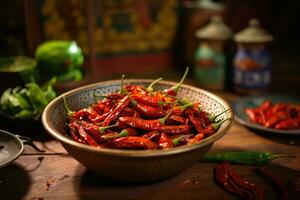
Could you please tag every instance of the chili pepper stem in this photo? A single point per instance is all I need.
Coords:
(122, 91)
(123, 133)
(273, 157)
(160, 103)
(176, 140)
(183, 107)
(162, 121)
(132, 101)
(176, 87)
(103, 129)
(217, 125)
(69, 111)
(213, 118)
(150, 87)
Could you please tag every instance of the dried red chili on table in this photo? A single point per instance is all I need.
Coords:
(233, 183)
(273, 180)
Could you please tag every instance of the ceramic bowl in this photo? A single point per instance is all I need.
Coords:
(133, 165)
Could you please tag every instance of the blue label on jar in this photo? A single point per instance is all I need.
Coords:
(252, 68)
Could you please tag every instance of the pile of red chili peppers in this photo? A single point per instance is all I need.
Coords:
(137, 117)
(233, 183)
(277, 115)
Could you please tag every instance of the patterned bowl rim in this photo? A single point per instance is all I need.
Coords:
(136, 153)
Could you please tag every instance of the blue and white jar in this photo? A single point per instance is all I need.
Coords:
(252, 62)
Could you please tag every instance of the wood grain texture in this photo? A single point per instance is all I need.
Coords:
(51, 176)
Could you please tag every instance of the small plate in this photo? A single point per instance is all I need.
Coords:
(246, 102)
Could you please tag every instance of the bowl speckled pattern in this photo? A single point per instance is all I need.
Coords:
(132, 165)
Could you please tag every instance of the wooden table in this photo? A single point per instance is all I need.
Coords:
(56, 175)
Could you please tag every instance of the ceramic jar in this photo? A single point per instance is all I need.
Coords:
(252, 62)
(209, 59)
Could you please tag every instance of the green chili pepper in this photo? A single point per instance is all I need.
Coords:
(244, 157)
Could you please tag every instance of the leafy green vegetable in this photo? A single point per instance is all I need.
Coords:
(28, 102)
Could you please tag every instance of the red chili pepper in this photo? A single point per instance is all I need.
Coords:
(141, 123)
(265, 105)
(123, 133)
(145, 99)
(197, 123)
(129, 112)
(152, 135)
(176, 119)
(74, 134)
(135, 89)
(277, 117)
(233, 183)
(196, 138)
(274, 180)
(178, 110)
(251, 114)
(121, 125)
(115, 96)
(204, 119)
(109, 105)
(165, 142)
(278, 107)
(84, 114)
(213, 127)
(94, 130)
(85, 136)
(100, 118)
(114, 113)
(262, 117)
(174, 89)
(99, 107)
(182, 139)
(134, 142)
(290, 123)
(152, 124)
(175, 129)
(150, 111)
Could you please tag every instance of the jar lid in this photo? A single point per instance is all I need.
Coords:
(254, 33)
(204, 4)
(216, 29)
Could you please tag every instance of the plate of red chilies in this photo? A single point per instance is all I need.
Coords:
(271, 113)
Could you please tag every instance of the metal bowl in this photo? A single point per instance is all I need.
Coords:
(12, 146)
(133, 165)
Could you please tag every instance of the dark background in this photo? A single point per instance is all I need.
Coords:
(280, 18)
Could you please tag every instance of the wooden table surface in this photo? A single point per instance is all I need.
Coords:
(56, 175)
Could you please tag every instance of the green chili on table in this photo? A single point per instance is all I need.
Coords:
(244, 157)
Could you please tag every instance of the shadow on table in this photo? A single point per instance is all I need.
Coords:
(29, 128)
(91, 179)
(277, 137)
(92, 186)
(14, 182)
